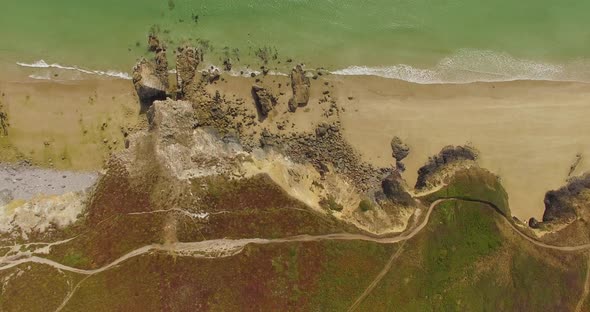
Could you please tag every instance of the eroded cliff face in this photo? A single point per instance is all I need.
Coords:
(569, 202)
(444, 164)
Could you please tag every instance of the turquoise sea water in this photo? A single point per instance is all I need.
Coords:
(416, 40)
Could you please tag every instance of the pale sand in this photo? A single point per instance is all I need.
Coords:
(60, 124)
(528, 132)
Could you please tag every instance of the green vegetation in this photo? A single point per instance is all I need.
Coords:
(365, 205)
(33, 287)
(475, 184)
(331, 203)
(462, 262)
(75, 258)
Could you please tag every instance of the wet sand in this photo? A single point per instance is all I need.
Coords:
(527, 132)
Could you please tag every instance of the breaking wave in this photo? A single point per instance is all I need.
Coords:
(478, 66)
(108, 73)
(466, 66)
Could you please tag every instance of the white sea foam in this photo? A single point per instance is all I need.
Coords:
(43, 64)
(465, 66)
(478, 66)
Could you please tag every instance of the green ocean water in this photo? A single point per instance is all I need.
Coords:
(421, 40)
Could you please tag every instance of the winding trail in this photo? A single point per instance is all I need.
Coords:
(218, 248)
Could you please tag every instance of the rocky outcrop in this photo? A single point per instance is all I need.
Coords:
(568, 202)
(265, 101)
(328, 146)
(148, 85)
(187, 62)
(170, 118)
(400, 150)
(448, 155)
(161, 67)
(395, 190)
(300, 85)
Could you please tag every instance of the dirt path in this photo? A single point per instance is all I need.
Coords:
(377, 279)
(219, 248)
(227, 247)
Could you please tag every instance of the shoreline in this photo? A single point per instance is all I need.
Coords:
(520, 127)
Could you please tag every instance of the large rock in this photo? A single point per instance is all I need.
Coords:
(568, 202)
(148, 85)
(399, 148)
(533, 223)
(265, 101)
(187, 62)
(171, 119)
(395, 190)
(301, 85)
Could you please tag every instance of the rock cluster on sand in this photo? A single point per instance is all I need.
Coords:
(301, 85)
(447, 155)
(327, 146)
(400, 150)
(148, 85)
(265, 101)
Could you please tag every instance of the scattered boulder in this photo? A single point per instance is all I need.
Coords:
(147, 84)
(322, 130)
(211, 76)
(399, 148)
(187, 62)
(227, 65)
(265, 101)
(301, 85)
(533, 223)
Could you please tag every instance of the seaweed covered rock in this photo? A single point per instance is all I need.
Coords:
(301, 85)
(568, 202)
(265, 101)
(153, 43)
(448, 155)
(148, 85)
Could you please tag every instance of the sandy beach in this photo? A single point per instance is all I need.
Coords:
(528, 132)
